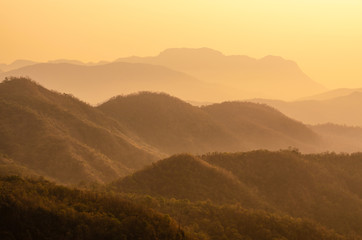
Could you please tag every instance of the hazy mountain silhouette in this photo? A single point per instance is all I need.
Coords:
(339, 92)
(58, 136)
(271, 76)
(345, 110)
(15, 65)
(95, 84)
(340, 138)
(217, 76)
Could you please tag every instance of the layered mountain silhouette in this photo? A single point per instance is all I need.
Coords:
(339, 92)
(15, 65)
(184, 73)
(56, 135)
(340, 138)
(95, 84)
(344, 110)
(271, 76)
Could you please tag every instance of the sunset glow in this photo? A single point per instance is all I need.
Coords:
(323, 37)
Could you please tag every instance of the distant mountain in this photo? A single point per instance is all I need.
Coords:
(15, 65)
(175, 126)
(340, 138)
(345, 110)
(340, 92)
(182, 72)
(95, 84)
(270, 77)
(58, 136)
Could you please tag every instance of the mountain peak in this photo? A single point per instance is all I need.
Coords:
(207, 52)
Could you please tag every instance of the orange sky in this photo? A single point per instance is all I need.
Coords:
(323, 36)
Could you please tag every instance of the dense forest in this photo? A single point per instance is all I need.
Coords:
(38, 209)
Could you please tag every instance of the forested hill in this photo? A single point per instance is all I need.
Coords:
(60, 137)
(38, 209)
(322, 187)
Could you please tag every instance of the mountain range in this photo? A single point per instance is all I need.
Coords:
(271, 76)
(183, 72)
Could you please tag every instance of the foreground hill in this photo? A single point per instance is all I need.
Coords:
(340, 110)
(271, 76)
(60, 137)
(37, 209)
(97, 83)
(322, 187)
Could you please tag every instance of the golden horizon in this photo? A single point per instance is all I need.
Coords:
(323, 37)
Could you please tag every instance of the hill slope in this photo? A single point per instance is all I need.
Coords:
(187, 177)
(260, 126)
(60, 137)
(324, 188)
(169, 123)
